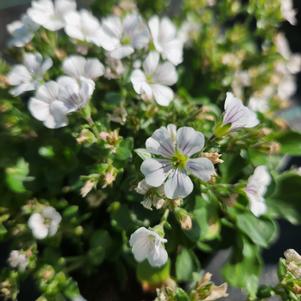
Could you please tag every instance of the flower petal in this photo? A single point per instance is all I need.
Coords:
(189, 141)
(163, 95)
(202, 168)
(151, 62)
(178, 185)
(157, 255)
(162, 141)
(166, 74)
(121, 52)
(155, 172)
(38, 108)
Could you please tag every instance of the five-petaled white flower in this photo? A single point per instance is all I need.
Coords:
(147, 244)
(173, 164)
(256, 188)
(84, 27)
(45, 223)
(54, 100)
(22, 31)
(238, 115)
(77, 66)
(288, 11)
(165, 39)
(131, 33)
(154, 81)
(51, 15)
(28, 77)
(17, 259)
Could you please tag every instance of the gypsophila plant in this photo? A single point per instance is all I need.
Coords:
(138, 140)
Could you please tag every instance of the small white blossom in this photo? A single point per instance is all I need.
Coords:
(165, 39)
(83, 26)
(73, 93)
(131, 33)
(256, 188)
(259, 102)
(17, 259)
(288, 11)
(153, 197)
(51, 15)
(189, 31)
(147, 244)
(153, 81)
(238, 115)
(77, 66)
(54, 100)
(22, 31)
(45, 223)
(28, 77)
(173, 164)
(287, 87)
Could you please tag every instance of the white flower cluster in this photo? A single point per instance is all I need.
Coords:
(18, 260)
(119, 36)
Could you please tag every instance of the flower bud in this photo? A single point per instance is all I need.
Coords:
(88, 186)
(86, 136)
(213, 157)
(184, 218)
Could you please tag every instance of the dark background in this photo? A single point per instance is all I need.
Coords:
(289, 236)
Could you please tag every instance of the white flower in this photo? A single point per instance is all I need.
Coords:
(44, 224)
(288, 11)
(77, 66)
(73, 93)
(79, 298)
(54, 100)
(256, 188)
(173, 164)
(238, 115)
(189, 31)
(154, 80)
(147, 244)
(28, 77)
(17, 259)
(47, 107)
(165, 39)
(287, 87)
(153, 197)
(131, 33)
(22, 31)
(83, 26)
(259, 102)
(51, 15)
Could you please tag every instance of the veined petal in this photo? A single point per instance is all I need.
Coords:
(57, 117)
(157, 255)
(121, 52)
(202, 168)
(189, 141)
(155, 172)
(151, 62)
(178, 185)
(162, 141)
(173, 51)
(93, 68)
(38, 108)
(74, 66)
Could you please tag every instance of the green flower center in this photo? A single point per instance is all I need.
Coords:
(179, 160)
(126, 40)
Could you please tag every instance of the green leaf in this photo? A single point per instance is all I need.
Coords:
(143, 153)
(145, 272)
(181, 295)
(290, 143)
(186, 264)
(124, 150)
(70, 211)
(244, 267)
(261, 231)
(17, 175)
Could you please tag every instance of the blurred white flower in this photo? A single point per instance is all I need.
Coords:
(173, 164)
(22, 31)
(28, 77)
(147, 244)
(73, 93)
(288, 11)
(45, 223)
(293, 61)
(189, 31)
(17, 259)
(47, 107)
(153, 197)
(259, 102)
(287, 87)
(51, 15)
(238, 115)
(131, 33)
(165, 39)
(77, 66)
(79, 298)
(153, 81)
(256, 188)
(83, 26)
